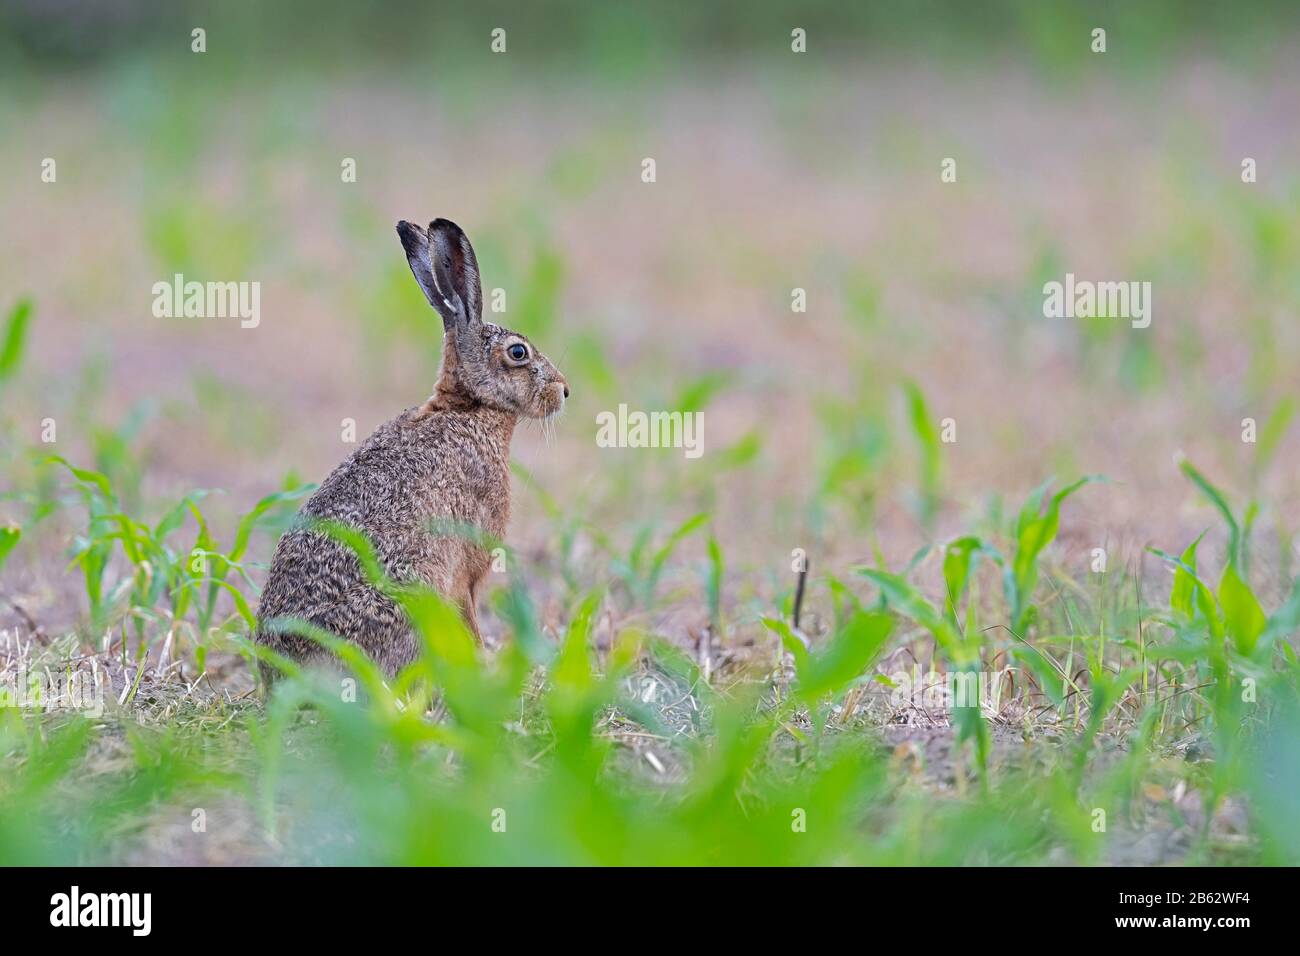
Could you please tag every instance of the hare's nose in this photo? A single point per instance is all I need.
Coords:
(566, 391)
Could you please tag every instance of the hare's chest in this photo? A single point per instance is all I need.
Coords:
(471, 490)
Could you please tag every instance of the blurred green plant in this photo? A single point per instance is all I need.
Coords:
(926, 433)
(853, 447)
(14, 340)
(10, 535)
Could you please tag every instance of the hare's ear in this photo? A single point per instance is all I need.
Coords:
(455, 268)
(416, 244)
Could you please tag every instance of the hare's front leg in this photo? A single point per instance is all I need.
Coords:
(469, 610)
(471, 618)
(474, 567)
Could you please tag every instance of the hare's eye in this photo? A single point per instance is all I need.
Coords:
(517, 352)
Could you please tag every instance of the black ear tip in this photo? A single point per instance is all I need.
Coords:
(445, 227)
(412, 236)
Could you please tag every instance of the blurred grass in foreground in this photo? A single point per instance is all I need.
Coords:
(523, 756)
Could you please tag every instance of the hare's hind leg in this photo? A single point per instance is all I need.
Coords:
(373, 622)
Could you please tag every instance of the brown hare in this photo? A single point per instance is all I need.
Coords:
(436, 467)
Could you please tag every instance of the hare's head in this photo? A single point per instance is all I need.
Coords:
(481, 362)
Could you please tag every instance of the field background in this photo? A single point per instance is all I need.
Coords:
(775, 170)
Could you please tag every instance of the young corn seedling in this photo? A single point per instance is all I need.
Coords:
(642, 568)
(823, 675)
(930, 451)
(1035, 529)
(962, 650)
(1228, 629)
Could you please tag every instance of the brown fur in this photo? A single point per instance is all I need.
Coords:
(447, 460)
